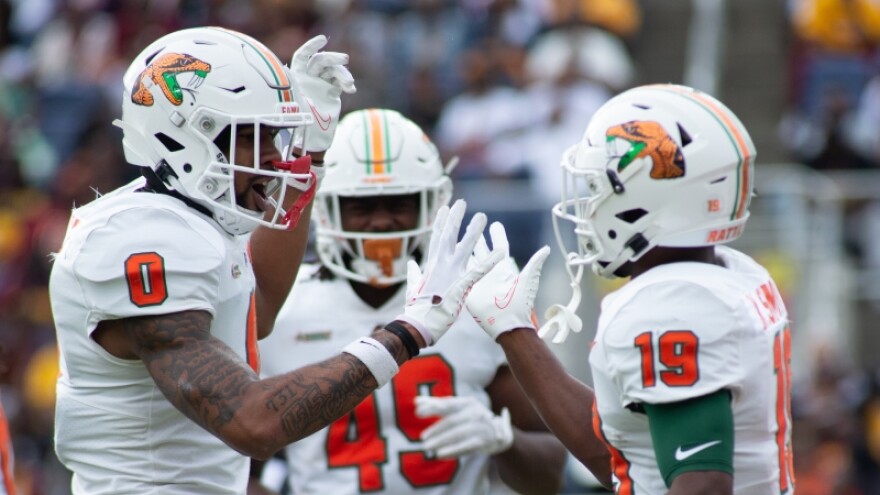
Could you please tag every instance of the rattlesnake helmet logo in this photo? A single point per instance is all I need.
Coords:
(163, 72)
(649, 139)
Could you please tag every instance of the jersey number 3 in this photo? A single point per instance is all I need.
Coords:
(355, 440)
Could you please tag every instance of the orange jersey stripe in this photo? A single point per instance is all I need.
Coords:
(619, 465)
(251, 333)
(253, 350)
(6, 454)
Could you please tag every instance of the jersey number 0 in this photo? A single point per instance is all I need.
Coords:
(145, 274)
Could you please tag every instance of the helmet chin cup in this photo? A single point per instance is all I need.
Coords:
(382, 262)
(383, 252)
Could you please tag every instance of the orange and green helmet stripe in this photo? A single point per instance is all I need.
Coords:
(377, 142)
(739, 141)
(279, 73)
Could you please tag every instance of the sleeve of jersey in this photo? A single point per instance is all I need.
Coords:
(671, 342)
(148, 262)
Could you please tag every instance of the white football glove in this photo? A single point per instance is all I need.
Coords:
(505, 298)
(465, 426)
(319, 79)
(435, 295)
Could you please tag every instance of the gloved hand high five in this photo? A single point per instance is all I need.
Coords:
(319, 79)
(435, 294)
(465, 426)
(505, 298)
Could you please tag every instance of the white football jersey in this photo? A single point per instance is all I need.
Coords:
(684, 330)
(131, 254)
(376, 447)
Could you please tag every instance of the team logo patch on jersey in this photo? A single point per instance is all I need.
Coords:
(236, 271)
(313, 336)
(163, 72)
(649, 139)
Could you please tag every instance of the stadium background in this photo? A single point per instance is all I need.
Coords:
(505, 85)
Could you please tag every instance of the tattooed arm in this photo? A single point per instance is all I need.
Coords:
(213, 387)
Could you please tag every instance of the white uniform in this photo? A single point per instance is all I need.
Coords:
(376, 448)
(685, 330)
(135, 254)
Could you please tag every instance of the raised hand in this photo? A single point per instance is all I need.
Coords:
(505, 298)
(435, 293)
(320, 78)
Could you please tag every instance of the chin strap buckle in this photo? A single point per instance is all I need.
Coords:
(293, 214)
(299, 165)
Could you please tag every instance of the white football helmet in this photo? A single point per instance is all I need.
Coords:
(192, 86)
(659, 165)
(377, 152)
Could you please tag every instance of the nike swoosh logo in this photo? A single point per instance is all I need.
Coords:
(682, 454)
(323, 122)
(505, 301)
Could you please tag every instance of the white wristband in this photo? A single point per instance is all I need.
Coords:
(375, 357)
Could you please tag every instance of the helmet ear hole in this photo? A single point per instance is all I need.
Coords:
(223, 141)
(187, 167)
(685, 137)
(612, 234)
(631, 216)
(168, 142)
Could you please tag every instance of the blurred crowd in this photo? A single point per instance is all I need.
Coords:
(504, 85)
(478, 75)
(832, 124)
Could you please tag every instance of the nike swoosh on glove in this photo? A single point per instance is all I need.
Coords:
(465, 426)
(436, 294)
(320, 78)
(505, 298)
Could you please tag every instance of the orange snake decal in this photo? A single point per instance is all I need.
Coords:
(163, 72)
(649, 139)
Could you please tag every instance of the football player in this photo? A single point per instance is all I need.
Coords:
(450, 411)
(690, 361)
(162, 287)
(7, 458)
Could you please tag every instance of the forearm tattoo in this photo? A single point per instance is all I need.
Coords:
(196, 372)
(312, 397)
(210, 384)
